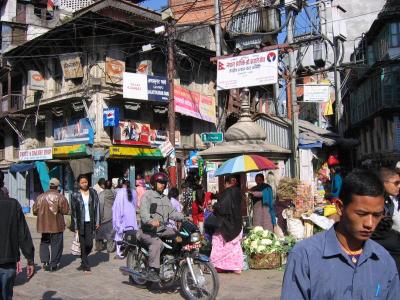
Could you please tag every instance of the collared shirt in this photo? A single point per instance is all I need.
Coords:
(318, 268)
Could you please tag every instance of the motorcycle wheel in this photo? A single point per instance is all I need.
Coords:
(111, 246)
(133, 263)
(208, 282)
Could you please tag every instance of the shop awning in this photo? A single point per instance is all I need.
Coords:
(71, 150)
(81, 166)
(21, 167)
(135, 152)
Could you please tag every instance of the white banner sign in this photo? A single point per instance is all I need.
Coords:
(166, 148)
(36, 154)
(316, 93)
(247, 70)
(135, 86)
(35, 81)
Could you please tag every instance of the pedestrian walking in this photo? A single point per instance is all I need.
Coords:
(173, 196)
(14, 236)
(226, 252)
(140, 189)
(85, 218)
(391, 182)
(106, 202)
(124, 213)
(100, 185)
(343, 263)
(50, 208)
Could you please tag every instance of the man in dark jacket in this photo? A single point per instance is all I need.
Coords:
(14, 235)
(50, 208)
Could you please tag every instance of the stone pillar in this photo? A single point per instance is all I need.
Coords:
(49, 131)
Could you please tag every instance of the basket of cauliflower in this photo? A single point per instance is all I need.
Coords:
(264, 249)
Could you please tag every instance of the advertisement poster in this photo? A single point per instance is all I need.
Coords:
(73, 131)
(144, 87)
(194, 104)
(71, 65)
(35, 81)
(114, 70)
(136, 133)
(111, 117)
(247, 70)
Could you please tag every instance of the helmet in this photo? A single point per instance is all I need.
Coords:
(158, 177)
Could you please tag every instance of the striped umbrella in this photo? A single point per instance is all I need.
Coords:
(245, 163)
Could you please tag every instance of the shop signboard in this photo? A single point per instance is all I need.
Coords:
(136, 133)
(193, 160)
(316, 92)
(71, 65)
(35, 81)
(111, 117)
(139, 152)
(73, 131)
(114, 70)
(247, 70)
(71, 150)
(36, 154)
(145, 87)
(194, 104)
(211, 166)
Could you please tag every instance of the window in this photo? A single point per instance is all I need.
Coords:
(395, 35)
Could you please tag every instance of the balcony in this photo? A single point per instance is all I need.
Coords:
(16, 153)
(12, 103)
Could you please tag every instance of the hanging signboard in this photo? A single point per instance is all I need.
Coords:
(129, 152)
(247, 70)
(73, 131)
(316, 93)
(111, 117)
(144, 87)
(194, 104)
(136, 133)
(114, 70)
(36, 154)
(71, 65)
(166, 148)
(35, 81)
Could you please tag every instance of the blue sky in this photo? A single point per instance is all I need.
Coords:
(154, 4)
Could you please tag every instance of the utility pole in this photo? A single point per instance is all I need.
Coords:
(171, 105)
(218, 101)
(292, 87)
(338, 93)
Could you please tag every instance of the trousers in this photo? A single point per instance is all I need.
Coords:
(55, 241)
(155, 245)
(7, 277)
(86, 241)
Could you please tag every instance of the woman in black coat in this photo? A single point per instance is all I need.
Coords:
(85, 218)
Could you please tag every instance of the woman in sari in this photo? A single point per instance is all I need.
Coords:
(226, 253)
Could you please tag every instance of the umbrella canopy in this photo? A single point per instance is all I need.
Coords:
(245, 163)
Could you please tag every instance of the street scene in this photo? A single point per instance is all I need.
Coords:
(200, 149)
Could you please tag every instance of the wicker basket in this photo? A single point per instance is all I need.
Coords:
(265, 261)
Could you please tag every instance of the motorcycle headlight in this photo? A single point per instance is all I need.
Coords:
(195, 237)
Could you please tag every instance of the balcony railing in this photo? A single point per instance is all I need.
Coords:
(12, 103)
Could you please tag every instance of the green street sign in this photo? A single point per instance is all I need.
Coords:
(212, 137)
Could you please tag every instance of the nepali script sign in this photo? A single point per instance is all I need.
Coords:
(247, 70)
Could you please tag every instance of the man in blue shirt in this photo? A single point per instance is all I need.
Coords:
(343, 263)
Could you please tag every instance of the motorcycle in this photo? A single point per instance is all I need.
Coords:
(180, 261)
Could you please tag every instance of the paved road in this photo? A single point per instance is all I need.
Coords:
(106, 282)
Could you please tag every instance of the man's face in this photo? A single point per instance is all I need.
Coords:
(259, 180)
(84, 184)
(392, 185)
(361, 216)
(160, 186)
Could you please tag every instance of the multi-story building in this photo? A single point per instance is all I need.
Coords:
(77, 79)
(372, 101)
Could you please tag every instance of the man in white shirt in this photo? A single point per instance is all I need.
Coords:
(391, 181)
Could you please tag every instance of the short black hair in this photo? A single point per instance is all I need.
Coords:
(386, 173)
(108, 184)
(101, 181)
(81, 176)
(361, 183)
(261, 175)
(173, 193)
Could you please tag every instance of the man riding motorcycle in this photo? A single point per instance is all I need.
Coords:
(153, 223)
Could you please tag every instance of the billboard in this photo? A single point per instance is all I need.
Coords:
(35, 81)
(145, 87)
(114, 70)
(73, 131)
(194, 104)
(247, 70)
(71, 65)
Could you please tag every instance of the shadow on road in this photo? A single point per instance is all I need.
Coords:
(49, 295)
(66, 260)
(22, 278)
(98, 258)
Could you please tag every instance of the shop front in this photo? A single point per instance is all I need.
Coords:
(128, 162)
